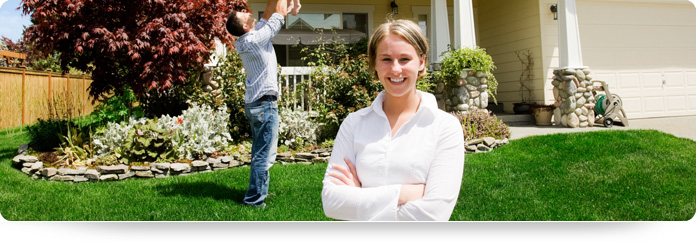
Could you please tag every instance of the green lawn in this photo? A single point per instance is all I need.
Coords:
(596, 176)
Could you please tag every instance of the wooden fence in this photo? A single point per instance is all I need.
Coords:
(26, 95)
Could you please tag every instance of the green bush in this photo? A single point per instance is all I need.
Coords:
(296, 130)
(480, 123)
(120, 107)
(45, 135)
(147, 143)
(455, 61)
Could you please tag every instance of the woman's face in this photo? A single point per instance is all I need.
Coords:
(397, 65)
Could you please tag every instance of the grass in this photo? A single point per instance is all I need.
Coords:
(595, 176)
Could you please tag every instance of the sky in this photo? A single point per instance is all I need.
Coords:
(12, 21)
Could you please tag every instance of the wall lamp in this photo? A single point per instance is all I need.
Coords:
(394, 7)
(554, 10)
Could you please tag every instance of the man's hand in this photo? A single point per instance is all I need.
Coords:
(275, 6)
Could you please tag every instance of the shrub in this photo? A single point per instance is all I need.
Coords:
(45, 135)
(296, 129)
(110, 139)
(120, 107)
(198, 132)
(480, 123)
(146, 143)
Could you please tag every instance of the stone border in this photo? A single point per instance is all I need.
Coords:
(31, 166)
(483, 145)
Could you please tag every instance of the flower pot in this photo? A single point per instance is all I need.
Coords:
(542, 114)
(521, 108)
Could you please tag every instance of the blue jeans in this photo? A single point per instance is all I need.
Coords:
(264, 120)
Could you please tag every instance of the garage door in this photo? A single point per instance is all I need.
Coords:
(645, 51)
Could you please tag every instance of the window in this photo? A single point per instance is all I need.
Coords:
(352, 21)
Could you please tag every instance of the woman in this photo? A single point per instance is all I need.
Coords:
(402, 158)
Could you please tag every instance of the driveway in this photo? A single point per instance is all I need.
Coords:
(681, 126)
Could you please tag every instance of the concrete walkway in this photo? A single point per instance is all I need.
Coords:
(681, 126)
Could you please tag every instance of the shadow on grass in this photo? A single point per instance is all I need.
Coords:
(202, 190)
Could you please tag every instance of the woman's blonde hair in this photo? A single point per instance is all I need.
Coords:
(408, 30)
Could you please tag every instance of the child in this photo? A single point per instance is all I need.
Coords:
(295, 6)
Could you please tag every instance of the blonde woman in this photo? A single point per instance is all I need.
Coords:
(402, 158)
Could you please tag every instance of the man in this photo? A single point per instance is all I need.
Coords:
(260, 99)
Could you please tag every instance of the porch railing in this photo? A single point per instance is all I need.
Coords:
(293, 83)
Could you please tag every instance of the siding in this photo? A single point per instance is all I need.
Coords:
(506, 27)
(645, 51)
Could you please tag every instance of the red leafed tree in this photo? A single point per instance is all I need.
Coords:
(146, 44)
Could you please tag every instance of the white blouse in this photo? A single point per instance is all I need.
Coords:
(427, 149)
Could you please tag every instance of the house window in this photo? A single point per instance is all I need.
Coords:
(291, 55)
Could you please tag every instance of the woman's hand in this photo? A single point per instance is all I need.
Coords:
(411, 193)
(347, 176)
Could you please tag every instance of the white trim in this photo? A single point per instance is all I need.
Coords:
(331, 9)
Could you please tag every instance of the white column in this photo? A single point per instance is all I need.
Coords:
(570, 54)
(440, 29)
(464, 30)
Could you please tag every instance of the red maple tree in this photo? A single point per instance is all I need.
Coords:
(146, 44)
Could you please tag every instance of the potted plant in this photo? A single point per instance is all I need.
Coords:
(526, 77)
(468, 72)
(542, 113)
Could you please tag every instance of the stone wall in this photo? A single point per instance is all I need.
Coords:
(32, 166)
(575, 101)
(468, 93)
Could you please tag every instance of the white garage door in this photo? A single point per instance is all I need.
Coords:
(645, 51)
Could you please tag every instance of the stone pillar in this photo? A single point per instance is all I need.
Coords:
(572, 89)
(469, 93)
(464, 29)
(440, 29)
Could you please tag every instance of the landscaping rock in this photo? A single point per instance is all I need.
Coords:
(235, 163)
(126, 175)
(79, 178)
(36, 166)
(213, 160)
(117, 169)
(140, 168)
(220, 165)
(161, 166)
(48, 172)
(488, 141)
(320, 159)
(108, 177)
(27, 170)
(92, 174)
(305, 156)
(226, 159)
(28, 158)
(475, 141)
(22, 149)
(483, 147)
(180, 167)
(144, 174)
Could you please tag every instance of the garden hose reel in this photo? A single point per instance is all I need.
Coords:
(609, 107)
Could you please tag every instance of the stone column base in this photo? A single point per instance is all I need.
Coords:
(575, 101)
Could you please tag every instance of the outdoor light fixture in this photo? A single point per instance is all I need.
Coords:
(394, 7)
(554, 10)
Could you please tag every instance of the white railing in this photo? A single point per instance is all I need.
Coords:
(292, 83)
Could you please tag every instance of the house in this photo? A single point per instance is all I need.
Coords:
(643, 49)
